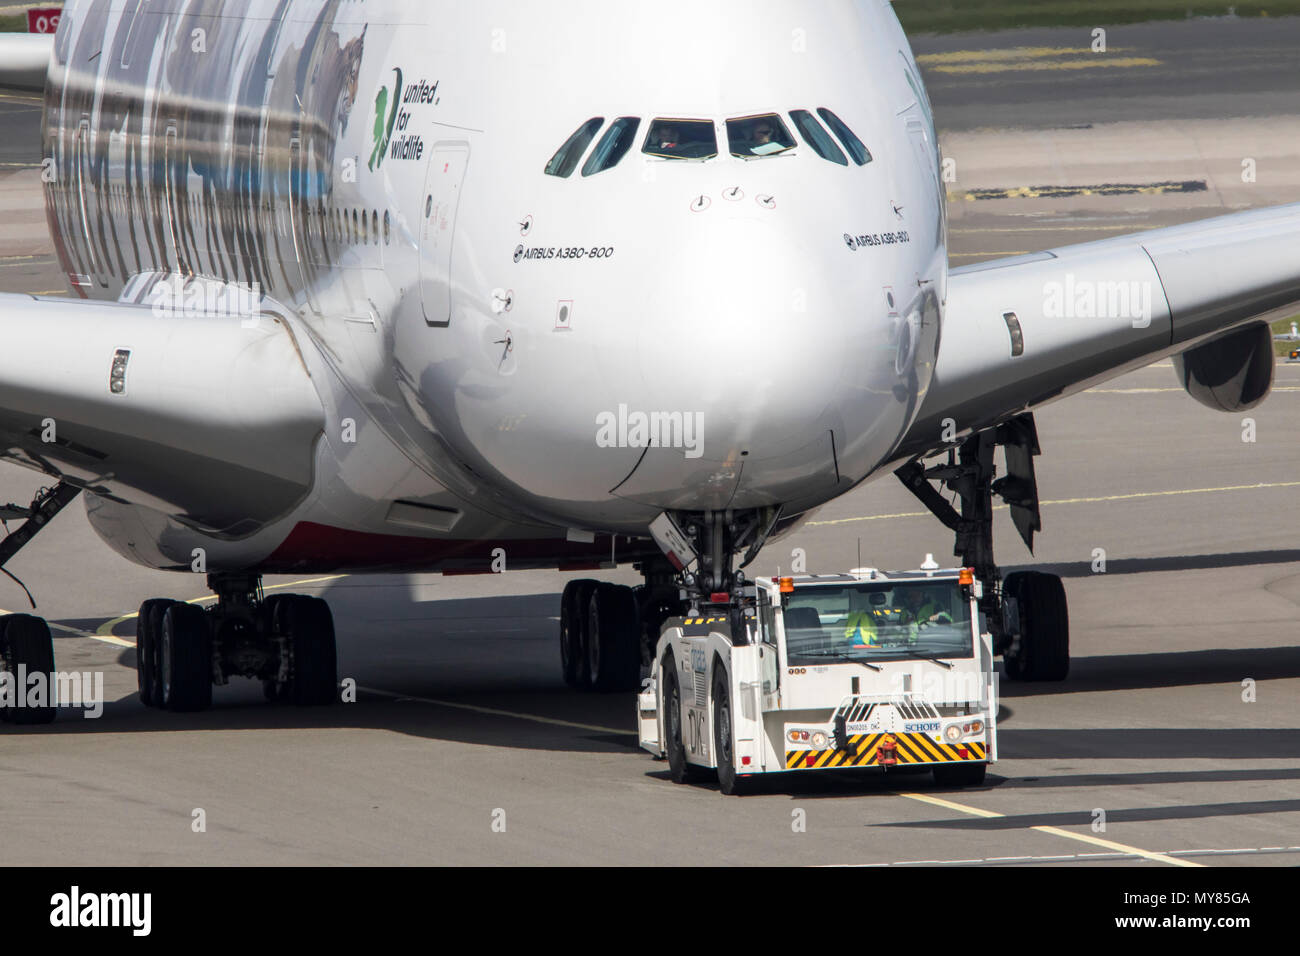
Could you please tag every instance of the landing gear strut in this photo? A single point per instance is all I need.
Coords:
(608, 633)
(1027, 614)
(286, 641)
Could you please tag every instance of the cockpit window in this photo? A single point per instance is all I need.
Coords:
(752, 137)
(613, 146)
(565, 161)
(816, 136)
(861, 155)
(681, 139)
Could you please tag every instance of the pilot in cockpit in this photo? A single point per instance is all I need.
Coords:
(666, 136)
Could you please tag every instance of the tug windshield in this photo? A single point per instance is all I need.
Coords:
(878, 621)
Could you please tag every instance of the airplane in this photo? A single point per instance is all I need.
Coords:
(472, 287)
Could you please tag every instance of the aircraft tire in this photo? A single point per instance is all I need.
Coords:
(25, 641)
(148, 632)
(310, 627)
(185, 656)
(573, 623)
(613, 639)
(1044, 651)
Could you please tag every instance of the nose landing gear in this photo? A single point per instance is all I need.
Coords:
(608, 632)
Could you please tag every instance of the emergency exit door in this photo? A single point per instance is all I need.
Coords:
(443, 183)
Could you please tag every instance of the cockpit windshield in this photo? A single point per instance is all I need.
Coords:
(754, 137)
(681, 139)
(567, 157)
(877, 622)
(613, 146)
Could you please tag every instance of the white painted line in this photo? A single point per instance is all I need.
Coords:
(497, 712)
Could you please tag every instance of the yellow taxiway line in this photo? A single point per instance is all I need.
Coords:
(1053, 831)
(1261, 486)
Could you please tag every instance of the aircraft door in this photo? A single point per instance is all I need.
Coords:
(443, 181)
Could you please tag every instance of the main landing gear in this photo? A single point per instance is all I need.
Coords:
(1027, 613)
(286, 641)
(26, 647)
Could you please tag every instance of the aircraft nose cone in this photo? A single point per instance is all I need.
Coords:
(741, 337)
(740, 328)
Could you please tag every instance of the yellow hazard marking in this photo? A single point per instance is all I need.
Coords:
(1054, 831)
(864, 751)
(1261, 486)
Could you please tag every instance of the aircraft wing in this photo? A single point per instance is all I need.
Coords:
(24, 60)
(212, 418)
(1025, 331)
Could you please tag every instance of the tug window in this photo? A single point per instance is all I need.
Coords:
(816, 136)
(613, 146)
(861, 155)
(753, 137)
(681, 139)
(565, 161)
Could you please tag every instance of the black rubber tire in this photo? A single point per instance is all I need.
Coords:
(27, 641)
(732, 784)
(960, 774)
(185, 652)
(148, 629)
(1044, 653)
(679, 771)
(272, 622)
(573, 621)
(310, 627)
(613, 639)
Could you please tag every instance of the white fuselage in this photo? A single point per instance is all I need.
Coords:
(481, 321)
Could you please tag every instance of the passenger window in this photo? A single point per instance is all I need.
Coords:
(816, 136)
(861, 155)
(681, 139)
(565, 161)
(753, 137)
(613, 146)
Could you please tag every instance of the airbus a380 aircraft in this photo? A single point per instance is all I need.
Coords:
(379, 285)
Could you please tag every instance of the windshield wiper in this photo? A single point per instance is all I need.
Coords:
(818, 652)
(925, 657)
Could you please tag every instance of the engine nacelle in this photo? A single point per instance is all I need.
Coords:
(1229, 374)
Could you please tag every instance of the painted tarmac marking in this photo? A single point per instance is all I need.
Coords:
(1261, 486)
(1041, 66)
(1009, 54)
(497, 712)
(1081, 857)
(1066, 192)
(1055, 831)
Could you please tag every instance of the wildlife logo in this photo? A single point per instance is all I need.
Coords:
(386, 109)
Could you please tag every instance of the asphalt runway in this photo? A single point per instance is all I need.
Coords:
(463, 719)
